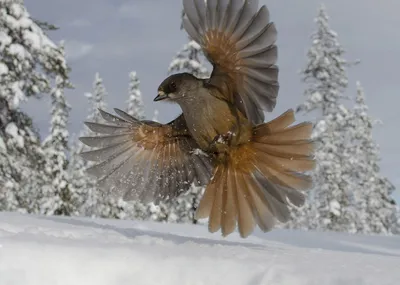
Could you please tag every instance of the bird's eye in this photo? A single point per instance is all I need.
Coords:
(172, 86)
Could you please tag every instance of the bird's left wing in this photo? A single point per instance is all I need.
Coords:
(145, 160)
(239, 40)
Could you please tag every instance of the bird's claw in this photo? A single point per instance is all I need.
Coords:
(222, 139)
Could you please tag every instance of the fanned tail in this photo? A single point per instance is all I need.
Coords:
(255, 182)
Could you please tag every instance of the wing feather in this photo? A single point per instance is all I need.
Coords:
(239, 41)
(145, 160)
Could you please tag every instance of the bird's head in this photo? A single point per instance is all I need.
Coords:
(177, 87)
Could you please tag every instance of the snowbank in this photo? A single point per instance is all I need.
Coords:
(42, 250)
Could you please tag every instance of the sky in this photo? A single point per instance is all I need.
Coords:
(114, 37)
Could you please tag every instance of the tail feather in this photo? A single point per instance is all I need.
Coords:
(246, 221)
(300, 149)
(281, 176)
(298, 132)
(217, 206)
(206, 202)
(263, 212)
(288, 161)
(229, 214)
(256, 182)
(277, 124)
(282, 193)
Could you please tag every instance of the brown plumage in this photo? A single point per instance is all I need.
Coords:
(252, 170)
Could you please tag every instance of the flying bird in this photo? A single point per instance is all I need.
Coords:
(251, 170)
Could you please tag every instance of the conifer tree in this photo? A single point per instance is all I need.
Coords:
(29, 61)
(97, 100)
(135, 101)
(189, 59)
(58, 200)
(376, 208)
(84, 184)
(329, 204)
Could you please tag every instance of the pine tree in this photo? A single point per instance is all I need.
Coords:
(135, 101)
(82, 182)
(376, 208)
(97, 100)
(325, 72)
(189, 59)
(329, 204)
(58, 200)
(29, 61)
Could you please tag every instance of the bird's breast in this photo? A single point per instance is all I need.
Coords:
(211, 121)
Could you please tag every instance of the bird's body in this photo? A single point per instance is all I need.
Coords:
(204, 121)
(252, 170)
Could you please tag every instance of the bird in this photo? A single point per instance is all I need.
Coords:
(252, 171)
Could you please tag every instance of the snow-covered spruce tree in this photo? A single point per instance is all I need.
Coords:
(189, 59)
(84, 184)
(81, 182)
(328, 206)
(58, 199)
(325, 72)
(28, 62)
(97, 100)
(375, 205)
(135, 101)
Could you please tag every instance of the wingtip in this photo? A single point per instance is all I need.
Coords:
(103, 113)
(91, 126)
(87, 123)
(88, 141)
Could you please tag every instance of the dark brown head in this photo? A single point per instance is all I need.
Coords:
(177, 87)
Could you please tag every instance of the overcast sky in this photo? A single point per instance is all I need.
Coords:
(114, 37)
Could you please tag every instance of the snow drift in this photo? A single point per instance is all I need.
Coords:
(41, 250)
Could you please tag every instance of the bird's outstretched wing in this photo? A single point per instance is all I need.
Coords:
(239, 41)
(145, 160)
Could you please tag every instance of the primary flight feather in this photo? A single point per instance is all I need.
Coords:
(252, 170)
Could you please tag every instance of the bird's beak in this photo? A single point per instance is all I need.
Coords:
(161, 96)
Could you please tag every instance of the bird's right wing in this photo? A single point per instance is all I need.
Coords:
(145, 160)
(239, 41)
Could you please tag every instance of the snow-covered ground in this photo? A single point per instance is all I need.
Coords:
(42, 250)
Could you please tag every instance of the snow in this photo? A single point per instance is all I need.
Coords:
(198, 151)
(5, 40)
(12, 130)
(3, 68)
(17, 50)
(56, 250)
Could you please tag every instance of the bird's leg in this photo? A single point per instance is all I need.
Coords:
(223, 138)
(221, 142)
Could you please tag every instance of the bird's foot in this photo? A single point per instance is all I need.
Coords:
(222, 139)
(221, 142)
